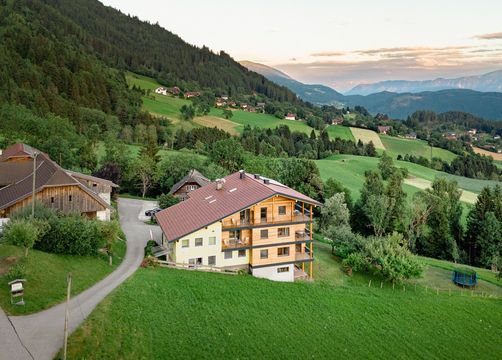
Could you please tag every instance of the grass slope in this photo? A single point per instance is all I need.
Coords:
(161, 313)
(398, 146)
(366, 135)
(46, 276)
(341, 132)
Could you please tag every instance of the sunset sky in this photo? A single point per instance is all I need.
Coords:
(340, 43)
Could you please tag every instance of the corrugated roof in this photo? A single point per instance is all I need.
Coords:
(193, 176)
(207, 205)
(48, 173)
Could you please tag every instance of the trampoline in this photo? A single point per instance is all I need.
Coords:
(465, 277)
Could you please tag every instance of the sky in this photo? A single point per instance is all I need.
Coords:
(340, 43)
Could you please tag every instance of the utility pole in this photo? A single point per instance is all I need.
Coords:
(67, 314)
(35, 154)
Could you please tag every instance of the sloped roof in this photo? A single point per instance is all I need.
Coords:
(207, 205)
(91, 178)
(20, 178)
(193, 176)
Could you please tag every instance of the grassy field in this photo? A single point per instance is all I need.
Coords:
(46, 276)
(341, 132)
(161, 313)
(366, 136)
(395, 146)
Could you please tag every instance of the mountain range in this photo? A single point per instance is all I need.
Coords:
(397, 105)
(490, 82)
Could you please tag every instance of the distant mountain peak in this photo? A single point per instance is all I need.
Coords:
(265, 70)
(489, 82)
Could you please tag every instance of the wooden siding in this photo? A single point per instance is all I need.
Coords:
(58, 197)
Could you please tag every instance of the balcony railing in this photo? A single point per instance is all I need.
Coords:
(299, 256)
(235, 243)
(227, 224)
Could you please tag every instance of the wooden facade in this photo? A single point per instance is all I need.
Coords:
(66, 199)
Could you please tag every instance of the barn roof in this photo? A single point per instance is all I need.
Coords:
(192, 176)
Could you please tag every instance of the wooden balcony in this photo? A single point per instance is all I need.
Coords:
(248, 223)
(302, 256)
(235, 244)
(300, 274)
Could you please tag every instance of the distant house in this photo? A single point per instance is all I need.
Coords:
(244, 106)
(174, 90)
(220, 102)
(260, 105)
(251, 109)
(191, 94)
(496, 137)
(472, 131)
(161, 90)
(450, 136)
(384, 129)
(411, 135)
(63, 190)
(337, 121)
(290, 116)
(192, 181)
(224, 97)
(232, 104)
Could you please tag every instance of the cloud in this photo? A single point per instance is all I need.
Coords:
(328, 53)
(491, 36)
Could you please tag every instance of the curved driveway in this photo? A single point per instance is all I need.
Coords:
(40, 335)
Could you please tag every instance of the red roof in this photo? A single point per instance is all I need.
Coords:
(207, 205)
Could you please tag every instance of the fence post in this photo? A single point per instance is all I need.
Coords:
(404, 288)
(369, 284)
(437, 291)
(381, 284)
(426, 289)
(449, 292)
(393, 286)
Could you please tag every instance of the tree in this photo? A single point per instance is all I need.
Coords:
(21, 233)
(109, 232)
(187, 112)
(167, 200)
(396, 203)
(334, 212)
(370, 149)
(489, 240)
(229, 154)
(333, 186)
(142, 173)
(227, 113)
(373, 188)
(386, 166)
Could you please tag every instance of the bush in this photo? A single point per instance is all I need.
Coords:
(148, 248)
(167, 200)
(23, 233)
(17, 271)
(72, 235)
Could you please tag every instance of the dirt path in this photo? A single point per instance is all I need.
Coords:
(495, 156)
(467, 196)
(366, 136)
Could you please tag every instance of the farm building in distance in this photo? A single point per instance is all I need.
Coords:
(290, 116)
(55, 187)
(384, 129)
(161, 91)
(190, 182)
(243, 221)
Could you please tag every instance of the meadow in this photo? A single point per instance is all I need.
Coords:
(395, 146)
(46, 275)
(341, 132)
(161, 313)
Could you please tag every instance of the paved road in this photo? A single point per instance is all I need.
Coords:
(40, 335)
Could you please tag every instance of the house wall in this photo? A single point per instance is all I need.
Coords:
(270, 272)
(58, 197)
(183, 191)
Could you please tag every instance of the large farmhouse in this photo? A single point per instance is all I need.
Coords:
(55, 187)
(192, 181)
(243, 221)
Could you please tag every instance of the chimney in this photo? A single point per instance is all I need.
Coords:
(241, 174)
(219, 184)
(256, 176)
(266, 181)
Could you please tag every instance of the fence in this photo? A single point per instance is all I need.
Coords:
(206, 268)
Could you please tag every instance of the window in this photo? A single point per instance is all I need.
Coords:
(283, 269)
(228, 254)
(234, 234)
(198, 241)
(242, 253)
(245, 215)
(191, 187)
(191, 261)
(212, 240)
(195, 261)
(52, 199)
(211, 260)
(283, 231)
(283, 251)
(282, 210)
(94, 185)
(185, 243)
(69, 198)
(264, 234)
(263, 254)
(263, 214)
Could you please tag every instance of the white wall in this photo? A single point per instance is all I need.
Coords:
(106, 197)
(103, 215)
(3, 221)
(270, 272)
(182, 255)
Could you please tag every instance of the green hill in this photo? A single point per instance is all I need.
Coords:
(398, 146)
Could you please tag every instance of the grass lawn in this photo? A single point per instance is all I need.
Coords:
(341, 132)
(46, 276)
(366, 135)
(395, 146)
(161, 313)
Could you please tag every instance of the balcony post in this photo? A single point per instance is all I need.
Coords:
(311, 245)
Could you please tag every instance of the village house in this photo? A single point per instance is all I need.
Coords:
(384, 129)
(191, 94)
(411, 136)
(450, 136)
(472, 131)
(56, 188)
(161, 90)
(192, 181)
(290, 116)
(224, 97)
(337, 121)
(174, 90)
(244, 106)
(242, 221)
(220, 102)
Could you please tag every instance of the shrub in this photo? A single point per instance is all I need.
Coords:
(148, 248)
(21, 233)
(17, 271)
(73, 235)
(167, 200)
(149, 261)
